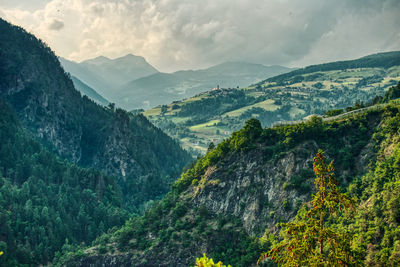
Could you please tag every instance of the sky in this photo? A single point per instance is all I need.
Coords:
(176, 34)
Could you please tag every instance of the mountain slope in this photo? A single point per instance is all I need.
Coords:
(260, 177)
(105, 75)
(47, 203)
(379, 60)
(212, 116)
(120, 70)
(162, 88)
(87, 76)
(129, 147)
(89, 92)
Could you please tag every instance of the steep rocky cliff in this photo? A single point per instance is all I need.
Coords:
(249, 183)
(46, 102)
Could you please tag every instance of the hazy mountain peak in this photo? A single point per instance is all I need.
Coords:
(133, 60)
(97, 60)
(242, 67)
(104, 74)
(130, 57)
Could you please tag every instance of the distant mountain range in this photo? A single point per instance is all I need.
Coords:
(162, 88)
(132, 83)
(104, 75)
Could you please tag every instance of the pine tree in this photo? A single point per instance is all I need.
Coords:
(310, 240)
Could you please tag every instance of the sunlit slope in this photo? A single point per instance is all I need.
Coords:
(214, 115)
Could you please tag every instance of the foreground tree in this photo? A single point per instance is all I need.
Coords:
(310, 240)
(206, 262)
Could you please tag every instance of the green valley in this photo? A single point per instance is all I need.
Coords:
(213, 116)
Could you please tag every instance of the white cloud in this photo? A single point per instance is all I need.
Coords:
(175, 34)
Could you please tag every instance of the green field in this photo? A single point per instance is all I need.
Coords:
(212, 116)
(266, 105)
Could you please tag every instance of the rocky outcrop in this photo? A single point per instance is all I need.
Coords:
(254, 190)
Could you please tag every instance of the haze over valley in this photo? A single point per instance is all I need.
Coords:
(141, 86)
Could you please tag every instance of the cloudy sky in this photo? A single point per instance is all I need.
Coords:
(178, 34)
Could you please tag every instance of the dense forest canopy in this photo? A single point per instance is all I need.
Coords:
(47, 203)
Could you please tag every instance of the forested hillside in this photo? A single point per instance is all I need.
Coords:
(47, 204)
(381, 60)
(247, 184)
(213, 116)
(142, 158)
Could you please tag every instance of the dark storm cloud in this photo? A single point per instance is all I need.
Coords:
(279, 32)
(56, 25)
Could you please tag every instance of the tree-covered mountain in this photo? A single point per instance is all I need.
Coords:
(89, 92)
(241, 189)
(47, 204)
(106, 75)
(163, 88)
(128, 147)
(212, 116)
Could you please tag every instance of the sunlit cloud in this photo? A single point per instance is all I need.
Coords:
(174, 34)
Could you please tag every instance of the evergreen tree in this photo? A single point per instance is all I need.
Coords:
(310, 240)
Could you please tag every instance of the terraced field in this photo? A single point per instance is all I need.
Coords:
(212, 116)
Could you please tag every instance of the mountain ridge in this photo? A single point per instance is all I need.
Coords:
(125, 146)
(89, 92)
(105, 75)
(161, 88)
(383, 59)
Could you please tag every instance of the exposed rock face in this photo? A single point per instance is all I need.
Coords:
(258, 191)
(252, 189)
(47, 113)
